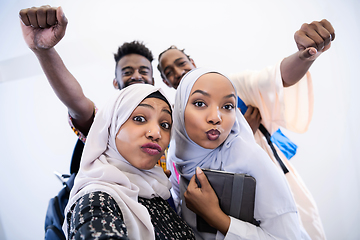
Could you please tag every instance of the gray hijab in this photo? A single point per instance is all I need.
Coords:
(239, 154)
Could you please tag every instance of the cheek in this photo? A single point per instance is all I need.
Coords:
(148, 79)
(230, 123)
(123, 136)
(123, 141)
(194, 125)
(122, 81)
(165, 136)
(122, 78)
(191, 121)
(171, 80)
(188, 67)
(147, 76)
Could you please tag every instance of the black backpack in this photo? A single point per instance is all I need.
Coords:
(55, 213)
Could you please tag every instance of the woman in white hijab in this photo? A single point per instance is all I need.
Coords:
(119, 192)
(210, 132)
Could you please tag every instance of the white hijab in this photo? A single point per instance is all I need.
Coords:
(239, 154)
(102, 168)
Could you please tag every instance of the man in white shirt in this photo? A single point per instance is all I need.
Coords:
(281, 95)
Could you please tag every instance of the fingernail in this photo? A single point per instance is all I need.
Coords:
(198, 170)
(313, 51)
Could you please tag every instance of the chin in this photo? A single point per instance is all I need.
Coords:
(207, 144)
(210, 145)
(148, 166)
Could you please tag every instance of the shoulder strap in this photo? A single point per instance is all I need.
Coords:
(268, 139)
(242, 106)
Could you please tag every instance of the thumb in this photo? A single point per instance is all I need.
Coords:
(204, 182)
(60, 17)
(308, 53)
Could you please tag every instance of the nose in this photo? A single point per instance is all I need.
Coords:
(153, 132)
(136, 75)
(179, 73)
(214, 116)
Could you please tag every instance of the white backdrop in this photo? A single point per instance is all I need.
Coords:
(231, 35)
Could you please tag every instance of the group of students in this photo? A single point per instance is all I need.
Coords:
(121, 193)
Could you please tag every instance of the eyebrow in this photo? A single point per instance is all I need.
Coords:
(146, 105)
(149, 106)
(201, 92)
(144, 67)
(167, 111)
(208, 95)
(230, 96)
(176, 60)
(128, 67)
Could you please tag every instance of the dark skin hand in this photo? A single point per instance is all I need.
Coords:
(43, 27)
(167, 172)
(312, 39)
(204, 202)
(253, 117)
(317, 34)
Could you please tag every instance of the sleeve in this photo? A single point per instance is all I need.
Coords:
(105, 218)
(175, 189)
(289, 107)
(78, 133)
(285, 226)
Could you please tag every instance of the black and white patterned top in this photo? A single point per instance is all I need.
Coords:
(167, 223)
(97, 216)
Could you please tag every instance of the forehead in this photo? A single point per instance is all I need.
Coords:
(170, 56)
(215, 83)
(156, 104)
(133, 60)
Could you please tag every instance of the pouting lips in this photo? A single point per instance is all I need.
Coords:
(213, 134)
(151, 148)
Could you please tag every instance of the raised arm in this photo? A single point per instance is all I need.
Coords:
(43, 27)
(312, 40)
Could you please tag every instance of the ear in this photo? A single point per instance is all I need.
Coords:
(115, 84)
(192, 62)
(166, 82)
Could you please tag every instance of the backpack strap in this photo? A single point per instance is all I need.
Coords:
(76, 157)
(53, 233)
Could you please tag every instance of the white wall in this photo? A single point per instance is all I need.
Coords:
(233, 35)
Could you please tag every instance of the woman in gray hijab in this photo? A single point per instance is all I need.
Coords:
(210, 132)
